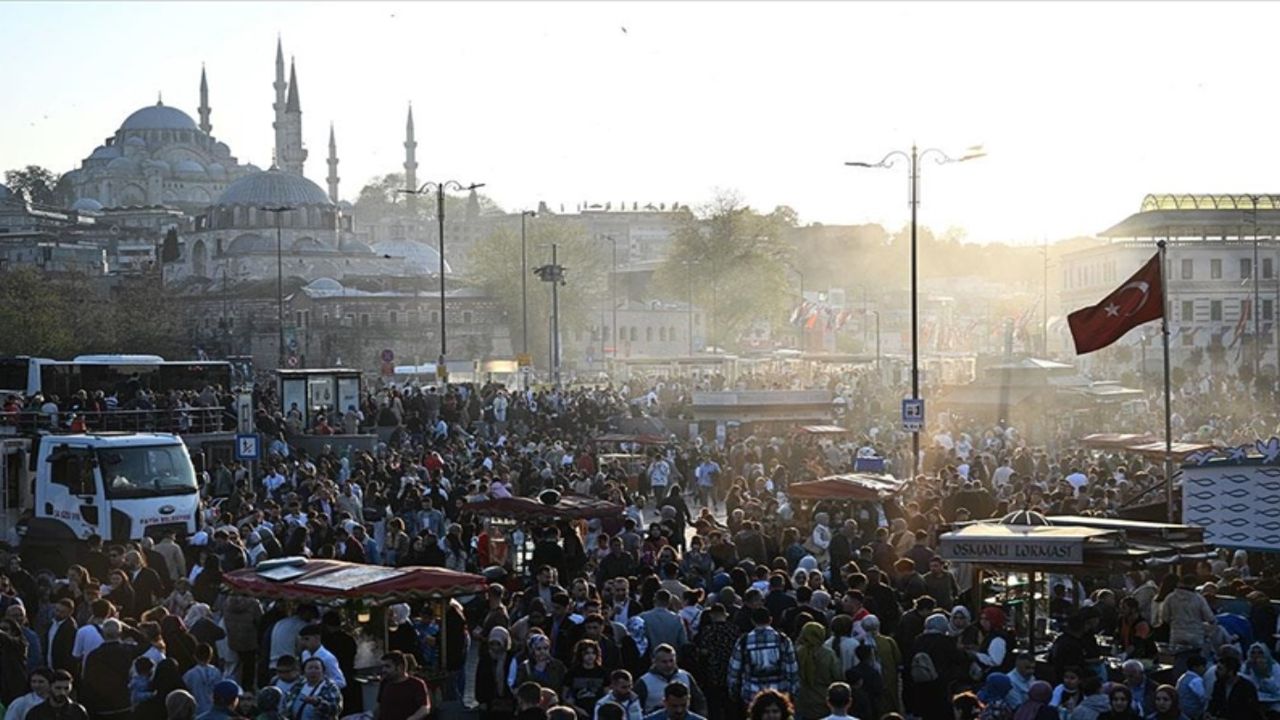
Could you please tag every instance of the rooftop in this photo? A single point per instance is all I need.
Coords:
(1202, 216)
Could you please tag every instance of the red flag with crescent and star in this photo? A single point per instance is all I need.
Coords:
(1139, 300)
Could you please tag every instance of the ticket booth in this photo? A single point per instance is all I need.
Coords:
(318, 391)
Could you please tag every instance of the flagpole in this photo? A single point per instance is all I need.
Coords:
(1168, 407)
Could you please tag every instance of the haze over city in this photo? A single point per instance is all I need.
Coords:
(1083, 107)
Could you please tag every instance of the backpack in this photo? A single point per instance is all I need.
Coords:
(922, 668)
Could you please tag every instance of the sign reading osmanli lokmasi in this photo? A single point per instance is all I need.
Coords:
(1013, 551)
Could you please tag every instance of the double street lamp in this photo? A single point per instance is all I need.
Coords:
(278, 210)
(913, 159)
(439, 188)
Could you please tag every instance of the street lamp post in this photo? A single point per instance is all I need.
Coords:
(799, 325)
(554, 274)
(613, 299)
(277, 211)
(524, 283)
(913, 159)
(439, 188)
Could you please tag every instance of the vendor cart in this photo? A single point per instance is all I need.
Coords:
(511, 511)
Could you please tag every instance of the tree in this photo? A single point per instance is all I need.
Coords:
(495, 267)
(735, 259)
(36, 183)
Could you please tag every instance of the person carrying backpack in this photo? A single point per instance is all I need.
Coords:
(934, 663)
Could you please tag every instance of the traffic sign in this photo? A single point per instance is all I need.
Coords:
(291, 361)
(913, 414)
(244, 413)
(248, 447)
(388, 356)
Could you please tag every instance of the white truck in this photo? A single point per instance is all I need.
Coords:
(60, 489)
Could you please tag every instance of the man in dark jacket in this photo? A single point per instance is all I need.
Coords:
(59, 705)
(339, 642)
(1234, 698)
(106, 673)
(912, 622)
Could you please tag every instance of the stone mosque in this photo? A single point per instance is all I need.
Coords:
(161, 156)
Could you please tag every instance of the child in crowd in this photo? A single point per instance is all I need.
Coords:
(201, 678)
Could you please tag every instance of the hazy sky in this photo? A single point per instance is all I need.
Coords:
(1084, 107)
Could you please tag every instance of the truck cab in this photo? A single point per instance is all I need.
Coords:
(119, 486)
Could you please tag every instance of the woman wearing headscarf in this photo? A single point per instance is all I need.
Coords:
(995, 650)
(492, 691)
(994, 696)
(1167, 705)
(268, 703)
(843, 642)
(819, 667)
(1036, 706)
(888, 658)
(179, 705)
(934, 663)
(200, 624)
(179, 644)
(540, 667)
(635, 647)
(1263, 671)
(208, 583)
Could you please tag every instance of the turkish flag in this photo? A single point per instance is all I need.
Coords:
(1139, 300)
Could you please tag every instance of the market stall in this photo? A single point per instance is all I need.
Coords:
(849, 487)
(508, 512)
(1021, 551)
(359, 589)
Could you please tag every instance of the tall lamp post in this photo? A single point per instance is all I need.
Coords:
(439, 188)
(278, 210)
(913, 158)
(800, 325)
(554, 274)
(524, 283)
(613, 299)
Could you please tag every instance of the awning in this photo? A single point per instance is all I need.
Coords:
(634, 439)
(997, 544)
(326, 580)
(570, 507)
(854, 486)
(823, 430)
(1115, 441)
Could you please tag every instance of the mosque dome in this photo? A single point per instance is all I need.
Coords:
(158, 117)
(136, 141)
(87, 205)
(216, 170)
(325, 284)
(273, 187)
(188, 167)
(355, 247)
(123, 165)
(160, 165)
(251, 243)
(418, 255)
(309, 244)
(105, 152)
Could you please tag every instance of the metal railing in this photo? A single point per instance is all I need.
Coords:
(193, 420)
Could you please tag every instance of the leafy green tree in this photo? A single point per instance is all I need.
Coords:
(38, 184)
(495, 263)
(735, 258)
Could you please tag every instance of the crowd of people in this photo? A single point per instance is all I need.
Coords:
(712, 595)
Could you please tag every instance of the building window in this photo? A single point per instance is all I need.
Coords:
(364, 319)
(435, 317)
(1267, 268)
(466, 317)
(671, 334)
(1246, 268)
(662, 334)
(1188, 269)
(648, 334)
(1188, 310)
(1215, 310)
(622, 333)
(1267, 309)
(395, 317)
(1215, 269)
(634, 334)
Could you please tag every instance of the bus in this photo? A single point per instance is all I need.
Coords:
(28, 376)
